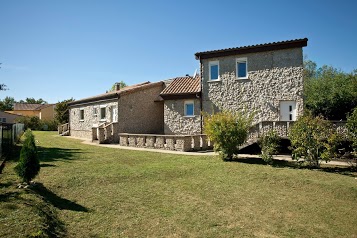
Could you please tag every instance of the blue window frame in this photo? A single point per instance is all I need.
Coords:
(214, 70)
(242, 68)
(189, 108)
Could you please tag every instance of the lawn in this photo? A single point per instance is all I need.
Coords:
(90, 191)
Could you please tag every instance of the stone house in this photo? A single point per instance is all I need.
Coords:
(182, 106)
(132, 109)
(266, 79)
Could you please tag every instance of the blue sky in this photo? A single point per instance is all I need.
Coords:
(56, 50)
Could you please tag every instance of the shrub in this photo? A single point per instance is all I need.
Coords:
(227, 131)
(49, 125)
(313, 139)
(29, 165)
(33, 123)
(352, 128)
(269, 144)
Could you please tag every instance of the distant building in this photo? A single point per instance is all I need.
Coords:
(6, 117)
(43, 111)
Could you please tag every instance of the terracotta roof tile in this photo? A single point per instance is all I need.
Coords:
(27, 106)
(183, 85)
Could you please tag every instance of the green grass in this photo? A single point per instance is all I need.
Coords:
(91, 191)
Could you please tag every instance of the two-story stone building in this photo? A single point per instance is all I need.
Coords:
(265, 79)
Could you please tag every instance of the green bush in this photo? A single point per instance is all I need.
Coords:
(49, 125)
(36, 124)
(227, 131)
(28, 166)
(313, 139)
(269, 144)
(352, 128)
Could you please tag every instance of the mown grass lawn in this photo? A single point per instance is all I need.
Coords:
(91, 191)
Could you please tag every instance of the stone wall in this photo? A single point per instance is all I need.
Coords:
(273, 76)
(166, 142)
(139, 113)
(83, 128)
(175, 122)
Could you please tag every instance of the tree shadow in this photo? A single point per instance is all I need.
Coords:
(348, 171)
(6, 184)
(58, 202)
(56, 154)
(47, 165)
(8, 196)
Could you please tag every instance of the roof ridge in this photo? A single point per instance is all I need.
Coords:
(276, 44)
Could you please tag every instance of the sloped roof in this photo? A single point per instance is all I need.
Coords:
(115, 94)
(253, 48)
(182, 87)
(30, 106)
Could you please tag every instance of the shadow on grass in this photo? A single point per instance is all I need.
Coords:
(56, 154)
(47, 165)
(58, 202)
(349, 171)
(4, 197)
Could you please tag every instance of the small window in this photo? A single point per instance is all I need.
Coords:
(189, 108)
(81, 114)
(95, 111)
(214, 70)
(3, 119)
(102, 113)
(242, 68)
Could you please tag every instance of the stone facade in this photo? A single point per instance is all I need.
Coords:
(175, 122)
(83, 128)
(273, 76)
(140, 113)
(137, 113)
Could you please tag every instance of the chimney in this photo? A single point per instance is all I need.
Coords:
(117, 86)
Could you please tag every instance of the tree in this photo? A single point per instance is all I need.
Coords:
(227, 131)
(62, 111)
(313, 139)
(122, 84)
(7, 104)
(328, 91)
(32, 100)
(29, 165)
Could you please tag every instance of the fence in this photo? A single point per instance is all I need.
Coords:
(9, 133)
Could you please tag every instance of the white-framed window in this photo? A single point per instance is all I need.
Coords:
(95, 111)
(103, 112)
(189, 108)
(81, 114)
(3, 119)
(242, 68)
(214, 70)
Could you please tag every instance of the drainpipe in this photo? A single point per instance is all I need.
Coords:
(201, 101)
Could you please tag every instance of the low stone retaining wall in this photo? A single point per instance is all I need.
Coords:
(167, 142)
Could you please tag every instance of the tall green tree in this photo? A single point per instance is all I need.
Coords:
(32, 100)
(29, 165)
(121, 83)
(62, 111)
(7, 104)
(329, 92)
